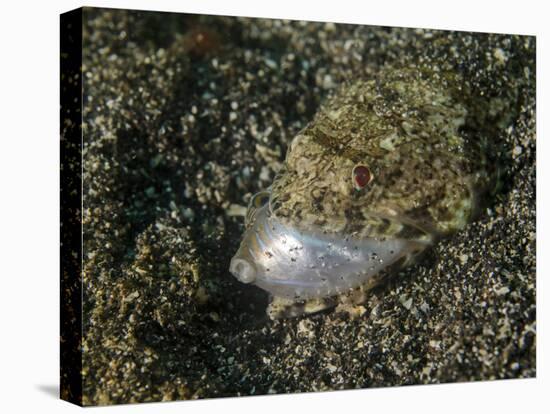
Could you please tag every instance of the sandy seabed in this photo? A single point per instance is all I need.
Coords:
(185, 117)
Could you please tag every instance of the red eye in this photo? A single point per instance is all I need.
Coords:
(361, 176)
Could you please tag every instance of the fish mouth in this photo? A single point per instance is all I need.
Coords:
(243, 269)
(301, 265)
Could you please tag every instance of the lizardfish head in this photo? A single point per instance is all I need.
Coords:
(363, 187)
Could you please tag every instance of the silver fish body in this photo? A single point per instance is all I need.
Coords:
(299, 265)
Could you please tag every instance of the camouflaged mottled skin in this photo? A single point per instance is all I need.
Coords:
(407, 127)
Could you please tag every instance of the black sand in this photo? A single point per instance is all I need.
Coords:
(185, 118)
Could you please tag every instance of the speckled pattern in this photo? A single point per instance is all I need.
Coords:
(70, 337)
(404, 125)
(185, 118)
